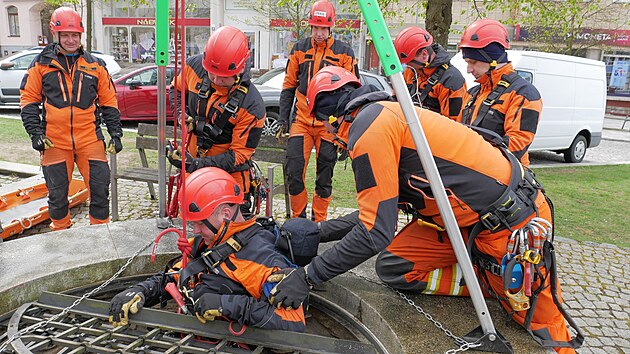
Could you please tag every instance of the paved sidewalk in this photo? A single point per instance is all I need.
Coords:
(594, 277)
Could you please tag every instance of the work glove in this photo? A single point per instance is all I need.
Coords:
(115, 145)
(175, 158)
(292, 288)
(208, 306)
(283, 131)
(130, 300)
(190, 123)
(41, 142)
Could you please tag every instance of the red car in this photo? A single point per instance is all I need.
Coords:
(136, 91)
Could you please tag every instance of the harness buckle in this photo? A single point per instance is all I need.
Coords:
(490, 221)
(234, 244)
(490, 266)
(503, 83)
(432, 81)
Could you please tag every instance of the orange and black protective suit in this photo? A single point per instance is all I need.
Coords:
(514, 114)
(74, 92)
(232, 148)
(239, 280)
(389, 175)
(306, 59)
(447, 94)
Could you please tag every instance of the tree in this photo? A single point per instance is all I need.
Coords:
(560, 26)
(438, 20)
(290, 14)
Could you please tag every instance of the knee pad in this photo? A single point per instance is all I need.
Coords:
(392, 269)
(295, 164)
(56, 177)
(99, 189)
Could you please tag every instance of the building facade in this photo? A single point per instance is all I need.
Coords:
(128, 32)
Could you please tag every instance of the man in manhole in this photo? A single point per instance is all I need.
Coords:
(240, 251)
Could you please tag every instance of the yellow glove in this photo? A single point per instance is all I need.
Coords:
(128, 301)
(283, 132)
(189, 123)
(208, 307)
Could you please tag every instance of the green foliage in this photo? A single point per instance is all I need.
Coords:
(558, 26)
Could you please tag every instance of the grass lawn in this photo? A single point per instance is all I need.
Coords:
(590, 202)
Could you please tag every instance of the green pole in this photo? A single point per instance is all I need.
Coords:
(161, 33)
(393, 69)
(161, 60)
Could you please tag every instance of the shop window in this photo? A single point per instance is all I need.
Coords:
(142, 45)
(119, 43)
(617, 74)
(14, 22)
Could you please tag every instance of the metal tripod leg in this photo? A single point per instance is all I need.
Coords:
(393, 69)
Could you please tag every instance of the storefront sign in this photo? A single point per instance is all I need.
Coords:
(342, 23)
(150, 22)
(619, 38)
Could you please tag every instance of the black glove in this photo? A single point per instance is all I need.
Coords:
(292, 288)
(175, 158)
(208, 306)
(115, 145)
(130, 300)
(283, 129)
(41, 142)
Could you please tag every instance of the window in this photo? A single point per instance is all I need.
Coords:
(14, 22)
(23, 62)
(369, 80)
(146, 77)
(526, 75)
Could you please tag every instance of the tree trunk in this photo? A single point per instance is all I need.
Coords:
(88, 24)
(439, 18)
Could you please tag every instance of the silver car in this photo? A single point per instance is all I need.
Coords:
(13, 68)
(270, 84)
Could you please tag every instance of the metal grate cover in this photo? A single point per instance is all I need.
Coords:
(86, 330)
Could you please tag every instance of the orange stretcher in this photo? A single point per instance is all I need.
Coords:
(28, 206)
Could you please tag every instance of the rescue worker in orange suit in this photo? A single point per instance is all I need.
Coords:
(75, 90)
(225, 112)
(490, 192)
(307, 57)
(503, 102)
(234, 287)
(433, 83)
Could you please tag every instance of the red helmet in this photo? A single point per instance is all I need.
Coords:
(226, 52)
(328, 79)
(409, 41)
(206, 189)
(65, 19)
(322, 14)
(483, 32)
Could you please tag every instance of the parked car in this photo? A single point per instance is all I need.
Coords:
(270, 84)
(136, 92)
(13, 68)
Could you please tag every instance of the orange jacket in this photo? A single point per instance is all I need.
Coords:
(234, 147)
(517, 111)
(306, 59)
(448, 95)
(388, 173)
(70, 117)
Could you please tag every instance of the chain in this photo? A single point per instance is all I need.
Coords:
(76, 302)
(463, 344)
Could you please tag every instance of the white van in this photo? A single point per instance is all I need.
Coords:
(573, 91)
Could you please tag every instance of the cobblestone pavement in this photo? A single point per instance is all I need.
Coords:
(594, 277)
